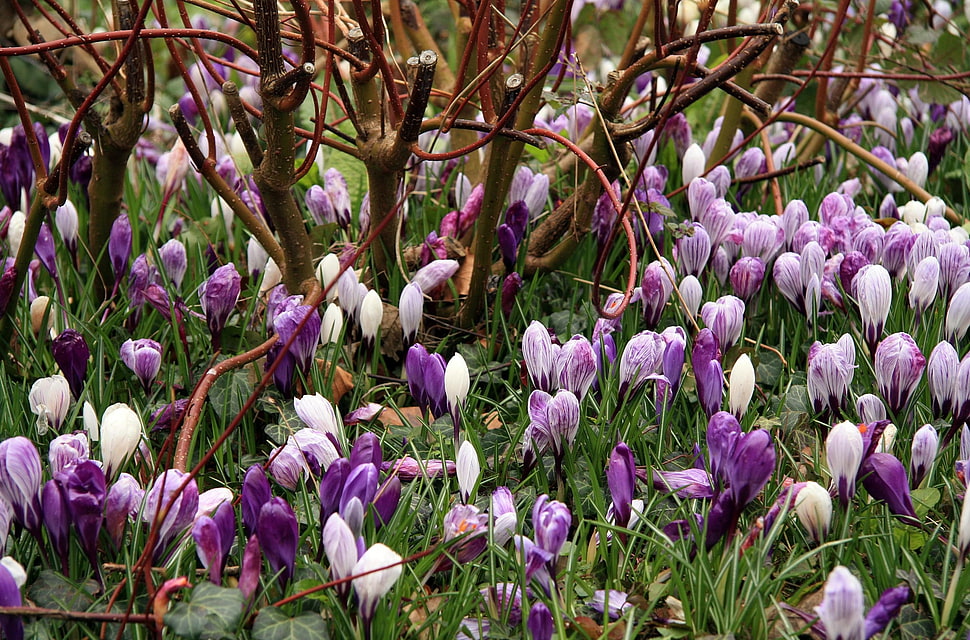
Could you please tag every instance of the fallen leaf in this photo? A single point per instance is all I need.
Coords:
(410, 416)
(463, 277)
(343, 381)
(392, 335)
(492, 421)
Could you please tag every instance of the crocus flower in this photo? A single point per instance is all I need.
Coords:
(705, 360)
(830, 370)
(20, 481)
(693, 249)
(551, 520)
(255, 493)
(540, 622)
(71, 354)
(926, 443)
(466, 524)
(655, 290)
(279, 534)
(119, 245)
(842, 612)
(741, 385)
(181, 506)
(468, 469)
(411, 309)
(621, 480)
(65, 219)
(332, 325)
(725, 318)
(50, 398)
(426, 379)
(747, 275)
(218, 296)
(122, 502)
(612, 603)
(300, 354)
(540, 356)
(642, 357)
(958, 314)
(926, 281)
(898, 365)
(341, 549)
(318, 413)
(250, 567)
(873, 290)
(576, 365)
(67, 450)
(174, 261)
(510, 289)
(692, 294)
(884, 477)
(11, 626)
(85, 490)
(144, 358)
(457, 383)
(434, 274)
(813, 506)
(844, 451)
(371, 315)
(57, 520)
(121, 431)
(378, 569)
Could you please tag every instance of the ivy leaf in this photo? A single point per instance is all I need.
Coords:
(230, 392)
(273, 624)
(51, 590)
(213, 612)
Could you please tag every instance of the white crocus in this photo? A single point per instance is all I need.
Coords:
(121, 431)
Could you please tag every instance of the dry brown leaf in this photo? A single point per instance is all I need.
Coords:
(463, 277)
(422, 609)
(397, 417)
(492, 421)
(343, 381)
(392, 336)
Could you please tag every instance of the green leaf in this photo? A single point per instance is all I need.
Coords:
(53, 591)
(230, 392)
(273, 624)
(213, 612)
(924, 500)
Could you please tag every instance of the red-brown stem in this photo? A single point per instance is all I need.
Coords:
(92, 616)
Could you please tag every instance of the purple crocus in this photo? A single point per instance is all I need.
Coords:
(842, 612)
(279, 534)
(655, 290)
(884, 477)
(290, 314)
(174, 261)
(576, 366)
(122, 502)
(71, 354)
(20, 481)
(693, 250)
(12, 627)
(898, 365)
(119, 245)
(540, 622)
(746, 276)
(341, 549)
(213, 537)
(725, 317)
(540, 355)
(218, 296)
(171, 511)
(708, 374)
(941, 374)
(621, 479)
(551, 520)
(830, 371)
(57, 520)
(411, 309)
(45, 250)
(85, 490)
(642, 358)
(144, 358)
(926, 444)
(255, 493)
(426, 379)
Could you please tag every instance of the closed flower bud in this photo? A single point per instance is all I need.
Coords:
(218, 296)
(813, 506)
(655, 291)
(65, 219)
(693, 250)
(468, 469)
(121, 431)
(741, 385)
(379, 568)
(642, 357)
(50, 398)
(898, 365)
(256, 258)
(941, 375)
(963, 536)
(551, 520)
(411, 309)
(332, 325)
(576, 366)
(457, 383)
(67, 450)
(174, 261)
(787, 276)
(873, 290)
(621, 480)
(20, 481)
(44, 248)
(958, 315)
(926, 280)
(122, 502)
(844, 451)
(540, 622)
(181, 503)
(926, 443)
(540, 356)
(40, 310)
(829, 374)
(842, 611)
(119, 245)
(318, 413)
(11, 627)
(371, 315)
(746, 276)
(725, 318)
(435, 274)
(144, 358)
(693, 294)
(693, 163)
(706, 361)
(279, 534)
(341, 549)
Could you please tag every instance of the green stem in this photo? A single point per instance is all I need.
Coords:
(951, 596)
